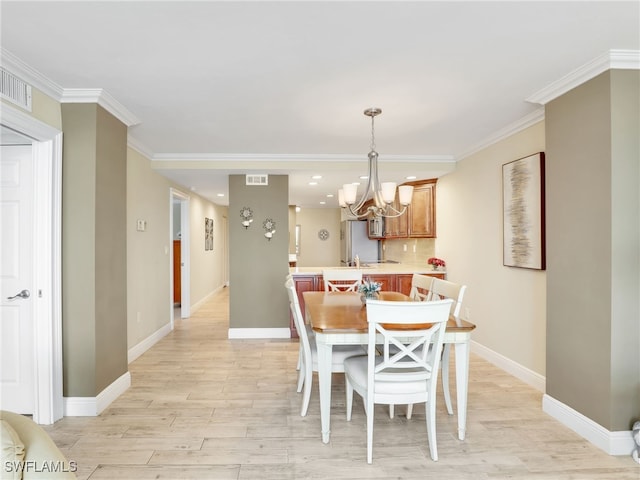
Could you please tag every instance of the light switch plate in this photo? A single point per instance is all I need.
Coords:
(141, 225)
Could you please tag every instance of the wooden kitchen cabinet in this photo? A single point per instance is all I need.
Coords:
(397, 227)
(403, 281)
(177, 272)
(422, 214)
(388, 281)
(419, 221)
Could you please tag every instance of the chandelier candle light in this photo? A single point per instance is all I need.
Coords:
(383, 194)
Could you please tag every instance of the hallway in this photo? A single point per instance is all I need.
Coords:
(204, 407)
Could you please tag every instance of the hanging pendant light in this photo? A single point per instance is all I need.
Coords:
(383, 194)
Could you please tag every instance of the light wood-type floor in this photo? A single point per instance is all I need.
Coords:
(201, 406)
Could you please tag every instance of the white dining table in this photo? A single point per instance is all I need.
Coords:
(339, 318)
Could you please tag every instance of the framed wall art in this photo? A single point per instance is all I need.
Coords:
(208, 233)
(523, 212)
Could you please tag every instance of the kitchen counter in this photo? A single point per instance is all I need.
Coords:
(372, 269)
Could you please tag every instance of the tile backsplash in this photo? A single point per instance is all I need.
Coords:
(418, 250)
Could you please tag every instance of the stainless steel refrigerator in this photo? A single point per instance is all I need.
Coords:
(354, 241)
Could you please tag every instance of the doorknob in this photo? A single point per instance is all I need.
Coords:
(22, 294)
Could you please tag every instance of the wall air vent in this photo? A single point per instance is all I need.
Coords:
(15, 90)
(262, 179)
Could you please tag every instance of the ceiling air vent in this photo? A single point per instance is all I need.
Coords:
(262, 179)
(15, 90)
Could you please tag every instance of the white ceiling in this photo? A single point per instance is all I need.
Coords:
(280, 87)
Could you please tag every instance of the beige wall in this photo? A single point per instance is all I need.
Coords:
(111, 249)
(507, 304)
(258, 267)
(313, 251)
(148, 264)
(593, 233)
(148, 259)
(94, 249)
(207, 266)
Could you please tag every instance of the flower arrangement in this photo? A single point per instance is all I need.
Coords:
(436, 262)
(369, 288)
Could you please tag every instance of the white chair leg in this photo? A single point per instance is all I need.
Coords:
(409, 411)
(306, 396)
(445, 378)
(431, 428)
(391, 410)
(369, 431)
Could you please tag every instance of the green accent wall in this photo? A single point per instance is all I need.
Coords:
(94, 278)
(593, 249)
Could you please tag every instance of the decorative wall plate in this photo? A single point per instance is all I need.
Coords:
(246, 213)
(323, 234)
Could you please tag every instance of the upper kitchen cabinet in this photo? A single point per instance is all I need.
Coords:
(419, 221)
(397, 227)
(422, 214)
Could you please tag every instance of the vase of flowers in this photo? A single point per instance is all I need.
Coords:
(436, 262)
(369, 289)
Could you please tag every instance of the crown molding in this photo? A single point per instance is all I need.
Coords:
(511, 129)
(66, 95)
(276, 157)
(139, 147)
(102, 98)
(30, 75)
(613, 59)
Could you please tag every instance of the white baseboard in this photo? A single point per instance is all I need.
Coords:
(205, 299)
(137, 350)
(613, 443)
(236, 333)
(93, 406)
(529, 377)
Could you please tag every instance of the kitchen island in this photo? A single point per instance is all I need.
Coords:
(394, 277)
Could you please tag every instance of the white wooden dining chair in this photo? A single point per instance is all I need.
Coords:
(440, 289)
(309, 358)
(342, 279)
(407, 376)
(420, 285)
(288, 278)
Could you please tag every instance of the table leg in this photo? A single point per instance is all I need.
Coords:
(462, 384)
(324, 382)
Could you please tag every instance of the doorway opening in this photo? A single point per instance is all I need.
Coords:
(179, 258)
(45, 286)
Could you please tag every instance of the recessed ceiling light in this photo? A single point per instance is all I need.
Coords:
(221, 194)
(355, 183)
(323, 203)
(317, 177)
(329, 195)
(411, 177)
(363, 177)
(313, 183)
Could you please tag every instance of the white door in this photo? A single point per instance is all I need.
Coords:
(16, 277)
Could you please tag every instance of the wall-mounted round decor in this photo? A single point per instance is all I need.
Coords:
(323, 234)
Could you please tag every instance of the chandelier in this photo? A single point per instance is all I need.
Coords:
(383, 194)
